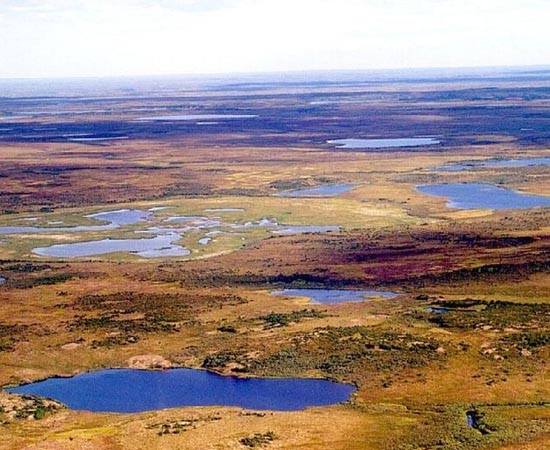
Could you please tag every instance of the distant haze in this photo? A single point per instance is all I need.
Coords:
(65, 38)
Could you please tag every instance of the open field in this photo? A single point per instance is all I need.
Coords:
(419, 374)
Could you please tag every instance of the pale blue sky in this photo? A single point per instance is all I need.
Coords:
(61, 38)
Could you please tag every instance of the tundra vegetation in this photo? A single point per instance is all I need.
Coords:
(458, 360)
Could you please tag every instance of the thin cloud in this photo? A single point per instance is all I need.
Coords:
(108, 37)
(80, 6)
(188, 5)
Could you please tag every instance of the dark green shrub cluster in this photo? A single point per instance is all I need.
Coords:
(348, 352)
(46, 280)
(9, 335)
(273, 320)
(181, 425)
(258, 439)
(166, 307)
(36, 408)
(218, 360)
(27, 267)
(497, 314)
(530, 340)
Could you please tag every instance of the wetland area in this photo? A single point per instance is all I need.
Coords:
(212, 264)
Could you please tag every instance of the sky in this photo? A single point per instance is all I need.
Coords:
(67, 38)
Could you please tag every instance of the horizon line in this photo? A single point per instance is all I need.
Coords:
(205, 75)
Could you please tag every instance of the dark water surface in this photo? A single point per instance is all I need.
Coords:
(483, 196)
(128, 391)
(382, 143)
(334, 295)
(524, 162)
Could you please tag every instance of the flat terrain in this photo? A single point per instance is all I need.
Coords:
(458, 360)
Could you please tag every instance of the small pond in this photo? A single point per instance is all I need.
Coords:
(121, 217)
(287, 230)
(524, 162)
(334, 295)
(352, 144)
(130, 391)
(437, 310)
(330, 190)
(483, 196)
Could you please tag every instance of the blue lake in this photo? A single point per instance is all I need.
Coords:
(98, 139)
(524, 162)
(351, 144)
(130, 391)
(115, 219)
(2, 280)
(334, 295)
(483, 196)
(330, 190)
(156, 247)
(121, 217)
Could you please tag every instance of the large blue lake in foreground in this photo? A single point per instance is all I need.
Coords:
(483, 196)
(130, 391)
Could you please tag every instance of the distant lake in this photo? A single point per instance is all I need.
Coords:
(330, 190)
(382, 143)
(524, 162)
(483, 196)
(97, 139)
(334, 295)
(191, 117)
(131, 391)
(2, 280)
(12, 117)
